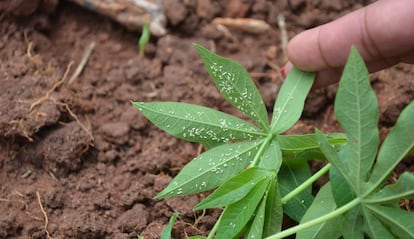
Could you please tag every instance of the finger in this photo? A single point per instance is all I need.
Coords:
(327, 77)
(381, 30)
(332, 75)
(322, 79)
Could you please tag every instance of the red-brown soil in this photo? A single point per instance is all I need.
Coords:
(75, 152)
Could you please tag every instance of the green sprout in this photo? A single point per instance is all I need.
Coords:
(144, 38)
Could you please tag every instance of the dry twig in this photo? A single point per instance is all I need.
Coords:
(283, 33)
(250, 25)
(82, 63)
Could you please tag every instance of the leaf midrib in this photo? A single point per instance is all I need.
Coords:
(207, 170)
(258, 133)
(258, 118)
(275, 122)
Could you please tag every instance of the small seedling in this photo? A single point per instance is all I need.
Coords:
(259, 173)
(144, 39)
(167, 230)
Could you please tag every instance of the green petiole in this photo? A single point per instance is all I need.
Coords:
(259, 154)
(316, 221)
(306, 184)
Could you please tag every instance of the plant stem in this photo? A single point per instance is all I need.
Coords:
(260, 152)
(316, 221)
(306, 184)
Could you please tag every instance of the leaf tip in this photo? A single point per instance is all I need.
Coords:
(197, 208)
(198, 47)
(162, 194)
(138, 105)
(159, 196)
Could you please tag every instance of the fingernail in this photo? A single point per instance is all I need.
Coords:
(284, 71)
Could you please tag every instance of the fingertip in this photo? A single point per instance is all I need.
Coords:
(292, 53)
(303, 51)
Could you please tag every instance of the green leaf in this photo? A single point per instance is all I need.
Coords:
(353, 224)
(272, 157)
(291, 99)
(312, 154)
(235, 84)
(395, 146)
(341, 190)
(356, 109)
(274, 211)
(235, 188)
(211, 169)
(197, 123)
(292, 174)
(237, 215)
(402, 189)
(400, 222)
(166, 231)
(374, 228)
(334, 158)
(324, 203)
(256, 227)
(294, 144)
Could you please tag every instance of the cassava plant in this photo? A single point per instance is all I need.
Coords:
(356, 203)
(259, 173)
(243, 159)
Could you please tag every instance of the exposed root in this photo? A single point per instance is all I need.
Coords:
(76, 118)
(198, 219)
(20, 124)
(193, 226)
(34, 58)
(50, 91)
(46, 219)
(66, 106)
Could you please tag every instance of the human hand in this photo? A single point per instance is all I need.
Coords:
(383, 32)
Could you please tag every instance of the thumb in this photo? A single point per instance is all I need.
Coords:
(381, 31)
